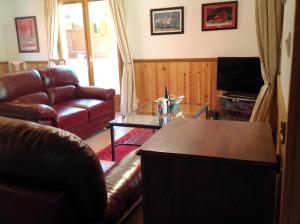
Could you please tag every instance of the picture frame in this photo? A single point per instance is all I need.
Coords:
(27, 34)
(167, 21)
(219, 16)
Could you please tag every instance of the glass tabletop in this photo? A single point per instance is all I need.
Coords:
(146, 116)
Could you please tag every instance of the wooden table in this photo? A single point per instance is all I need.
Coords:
(209, 172)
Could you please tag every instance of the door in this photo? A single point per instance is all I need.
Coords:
(88, 42)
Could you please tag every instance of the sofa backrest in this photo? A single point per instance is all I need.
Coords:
(50, 158)
(23, 87)
(60, 82)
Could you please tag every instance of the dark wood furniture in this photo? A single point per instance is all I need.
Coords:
(209, 172)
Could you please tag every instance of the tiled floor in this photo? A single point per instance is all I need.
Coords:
(102, 139)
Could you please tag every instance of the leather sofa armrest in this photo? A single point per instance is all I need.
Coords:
(95, 92)
(27, 111)
(123, 184)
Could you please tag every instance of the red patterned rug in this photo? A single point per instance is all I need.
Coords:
(136, 136)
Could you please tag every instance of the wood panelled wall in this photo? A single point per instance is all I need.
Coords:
(193, 78)
(29, 64)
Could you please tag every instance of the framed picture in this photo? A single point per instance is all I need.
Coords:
(167, 21)
(27, 34)
(219, 16)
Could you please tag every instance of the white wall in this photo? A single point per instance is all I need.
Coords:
(286, 62)
(194, 43)
(19, 8)
(3, 56)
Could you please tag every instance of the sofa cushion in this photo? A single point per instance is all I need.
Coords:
(61, 93)
(39, 97)
(58, 76)
(96, 108)
(18, 84)
(60, 82)
(68, 116)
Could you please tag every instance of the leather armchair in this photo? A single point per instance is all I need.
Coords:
(48, 175)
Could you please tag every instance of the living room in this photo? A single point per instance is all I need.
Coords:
(186, 62)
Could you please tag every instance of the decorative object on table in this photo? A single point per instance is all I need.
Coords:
(168, 105)
(27, 34)
(162, 106)
(174, 102)
(167, 21)
(219, 16)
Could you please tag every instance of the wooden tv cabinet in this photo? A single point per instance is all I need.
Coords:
(209, 172)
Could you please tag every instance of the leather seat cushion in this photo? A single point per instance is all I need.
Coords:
(96, 108)
(123, 184)
(68, 116)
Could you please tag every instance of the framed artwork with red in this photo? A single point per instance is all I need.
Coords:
(27, 34)
(167, 20)
(219, 16)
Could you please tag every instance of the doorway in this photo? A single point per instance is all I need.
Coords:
(89, 43)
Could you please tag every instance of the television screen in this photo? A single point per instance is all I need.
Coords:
(239, 74)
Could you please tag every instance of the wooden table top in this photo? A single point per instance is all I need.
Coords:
(229, 140)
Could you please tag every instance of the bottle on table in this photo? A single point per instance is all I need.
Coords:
(166, 93)
(167, 97)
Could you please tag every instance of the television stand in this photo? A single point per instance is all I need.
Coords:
(236, 107)
(241, 95)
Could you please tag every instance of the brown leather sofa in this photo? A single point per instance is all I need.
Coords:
(50, 176)
(54, 97)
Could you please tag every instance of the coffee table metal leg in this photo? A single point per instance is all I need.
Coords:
(112, 138)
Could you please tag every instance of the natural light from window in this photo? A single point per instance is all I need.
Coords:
(104, 53)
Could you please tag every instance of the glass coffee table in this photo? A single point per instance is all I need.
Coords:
(146, 117)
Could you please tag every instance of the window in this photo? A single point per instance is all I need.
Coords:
(89, 44)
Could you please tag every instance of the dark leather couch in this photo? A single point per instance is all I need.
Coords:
(50, 176)
(54, 97)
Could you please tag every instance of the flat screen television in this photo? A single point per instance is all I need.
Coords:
(239, 75)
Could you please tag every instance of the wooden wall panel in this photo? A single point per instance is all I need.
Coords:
(193, 78)
(36, 64)
(29, 64)
(3, 67)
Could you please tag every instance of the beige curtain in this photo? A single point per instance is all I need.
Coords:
(268, 28)
(51, 19)
(128, 91)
